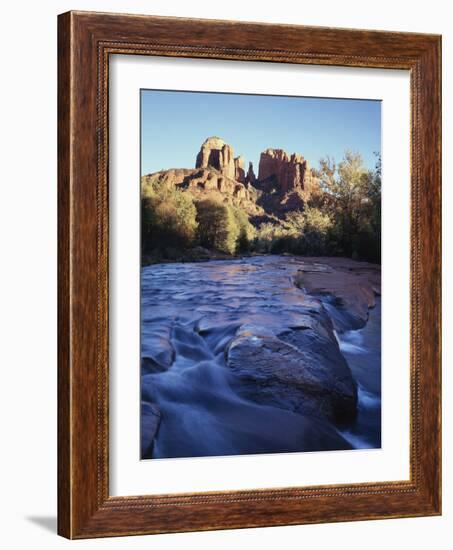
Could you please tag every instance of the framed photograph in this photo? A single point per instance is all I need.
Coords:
(249, 275)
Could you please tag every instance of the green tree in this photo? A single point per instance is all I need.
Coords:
(217, 227)
(369, 245)
(246, 230)
(168, 219)
(273, 237)
(317, 231)
(311, 228)
(351, 194)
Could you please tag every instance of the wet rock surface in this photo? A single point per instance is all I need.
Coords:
(150, 415)
(238, 357)
(350, 287)
(299, 370)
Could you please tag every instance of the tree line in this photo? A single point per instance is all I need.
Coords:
(342, 219)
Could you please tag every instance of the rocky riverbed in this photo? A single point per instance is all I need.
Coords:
(260, 355)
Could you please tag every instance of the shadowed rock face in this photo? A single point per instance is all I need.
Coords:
(239, 172)
(250, 178)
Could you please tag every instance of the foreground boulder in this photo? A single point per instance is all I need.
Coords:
(301, 370)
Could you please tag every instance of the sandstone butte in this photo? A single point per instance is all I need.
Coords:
(284, 182)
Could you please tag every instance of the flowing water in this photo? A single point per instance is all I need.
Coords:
(362, 350)
(190, 314)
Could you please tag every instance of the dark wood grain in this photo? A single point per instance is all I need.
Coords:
(85, 42)
(64, 368)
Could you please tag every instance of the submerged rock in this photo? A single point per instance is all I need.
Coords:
(150, 366)
(158, 352)
(150, 421)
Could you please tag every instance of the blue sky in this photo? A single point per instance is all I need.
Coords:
(175, 124)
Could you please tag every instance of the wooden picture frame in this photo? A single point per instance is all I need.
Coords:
(85, 42)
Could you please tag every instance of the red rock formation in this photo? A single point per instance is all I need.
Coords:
(284, 172)
(215, 153)
(284, 184)
(239, 172)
